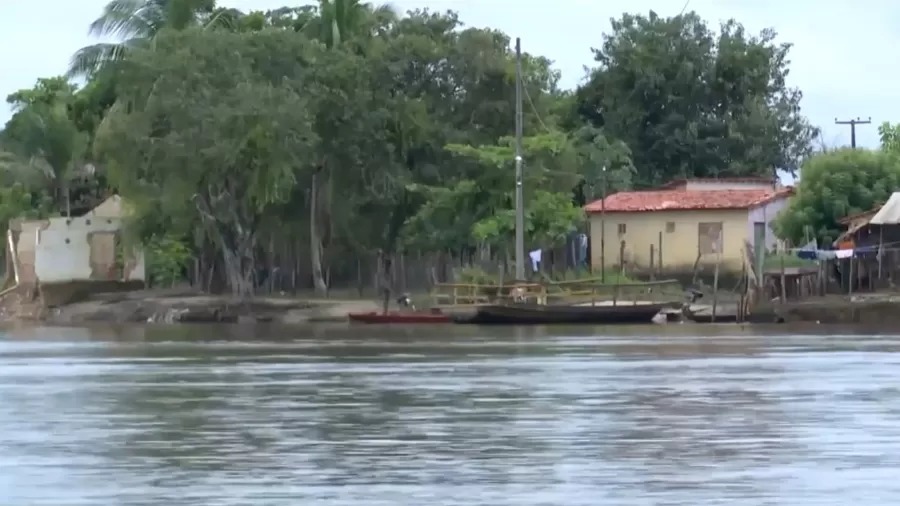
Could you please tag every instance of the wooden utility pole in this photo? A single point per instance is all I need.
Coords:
(853, 123)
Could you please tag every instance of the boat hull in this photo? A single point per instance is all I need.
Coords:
(536, 314)
(408, 318)
(706, 316)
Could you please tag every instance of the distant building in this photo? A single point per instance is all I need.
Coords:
(687, 219)
(877, 227)
(65, 258)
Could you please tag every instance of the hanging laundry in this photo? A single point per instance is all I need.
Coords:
(582, 249)
(535, 259)
(824, 254)
(843, 253)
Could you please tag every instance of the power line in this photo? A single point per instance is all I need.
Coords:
(534, 109)
(853, 123)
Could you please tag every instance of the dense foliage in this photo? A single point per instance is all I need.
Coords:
(317, 136)
(692, 102)
(839, 183)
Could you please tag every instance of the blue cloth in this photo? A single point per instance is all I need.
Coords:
(808, 254)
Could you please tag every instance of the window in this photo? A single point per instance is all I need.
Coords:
(670, 227)
(622, 229)
(709, 238)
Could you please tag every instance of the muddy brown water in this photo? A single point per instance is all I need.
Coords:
(449, 416)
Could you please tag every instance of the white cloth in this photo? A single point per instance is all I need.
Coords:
(843, 253)
(535, 259)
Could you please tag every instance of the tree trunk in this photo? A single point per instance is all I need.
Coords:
(68, 202)
(315, 241)
(385, 277)
(239, 279)
(236, 239)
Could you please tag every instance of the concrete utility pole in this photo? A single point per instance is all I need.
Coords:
(853, 123)
(520, 194)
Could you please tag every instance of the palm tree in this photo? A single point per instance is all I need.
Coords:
(135, 23)
(47, 151)
(338, 22)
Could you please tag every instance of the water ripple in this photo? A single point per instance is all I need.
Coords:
(525, 418)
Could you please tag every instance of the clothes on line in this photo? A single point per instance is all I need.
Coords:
(824, 254)
(535, 259)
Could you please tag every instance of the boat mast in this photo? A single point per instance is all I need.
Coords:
(520, 195)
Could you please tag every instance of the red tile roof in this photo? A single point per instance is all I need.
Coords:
(676, 183)
(686, 200)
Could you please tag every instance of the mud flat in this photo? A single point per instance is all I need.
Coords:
(186, 307)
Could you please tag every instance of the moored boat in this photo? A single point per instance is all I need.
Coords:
(539, 314)
(703, 314)
(417, 317)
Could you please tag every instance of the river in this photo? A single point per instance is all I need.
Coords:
(448, 416)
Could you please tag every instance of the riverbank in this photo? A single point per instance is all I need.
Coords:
(186, 306)
(147, 306)
(880, 308)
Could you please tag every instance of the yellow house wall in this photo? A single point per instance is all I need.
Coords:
(679, 247)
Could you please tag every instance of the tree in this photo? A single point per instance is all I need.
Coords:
(834, 185)
(210, 139)
(42, 132)
(308, 138)
(890, 137)
(478, 208)
(135, 23)
(690, 102)
(339, 22)
(604, 165)
(21, 192)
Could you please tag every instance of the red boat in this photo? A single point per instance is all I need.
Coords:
(398, 317)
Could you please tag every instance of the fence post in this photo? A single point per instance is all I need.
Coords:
(715, 301)
(783, 280)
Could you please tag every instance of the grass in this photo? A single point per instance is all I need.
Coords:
(774, 261)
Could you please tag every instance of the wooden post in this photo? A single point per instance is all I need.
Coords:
(880, 251)
(715, 301)
(659, 264)
(823, 268)
(621, 259)
(652, 257)
(783, 281)
(850, 281)
(745, 279)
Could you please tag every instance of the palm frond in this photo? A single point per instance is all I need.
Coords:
(90, 59)
(130, 18)
(31, 172)
(227, 19)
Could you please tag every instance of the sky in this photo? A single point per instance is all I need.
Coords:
(835, 60)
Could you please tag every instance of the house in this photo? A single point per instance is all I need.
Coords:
(684, 222)
(873, 236)
(62, 256)
(876, 228)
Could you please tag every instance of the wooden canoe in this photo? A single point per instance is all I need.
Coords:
(536, 314)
